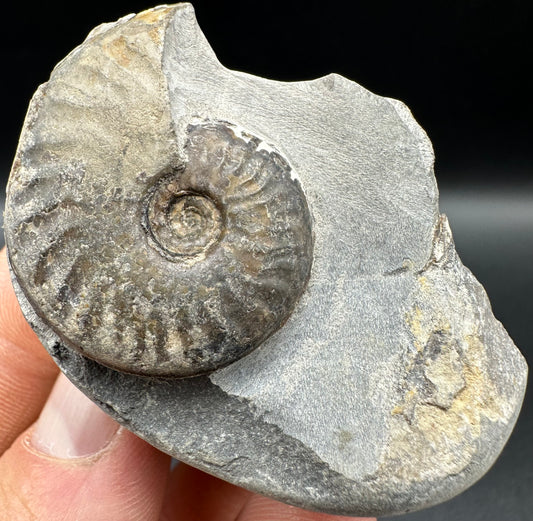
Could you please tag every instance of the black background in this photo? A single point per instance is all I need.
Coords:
(463, 67)
(465, 70)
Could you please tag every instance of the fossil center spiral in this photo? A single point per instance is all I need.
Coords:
(181, 222)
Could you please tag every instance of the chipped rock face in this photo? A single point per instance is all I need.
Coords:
(278, 244)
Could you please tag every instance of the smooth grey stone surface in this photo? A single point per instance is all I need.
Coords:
(391, 387)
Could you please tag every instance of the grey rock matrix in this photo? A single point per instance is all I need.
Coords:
(359, 369)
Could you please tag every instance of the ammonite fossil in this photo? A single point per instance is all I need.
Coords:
(168, 262)
(170, 273)
(278, 244)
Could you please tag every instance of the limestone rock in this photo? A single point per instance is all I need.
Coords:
(390, 386)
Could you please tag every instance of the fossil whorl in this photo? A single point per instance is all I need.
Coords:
(150, 251)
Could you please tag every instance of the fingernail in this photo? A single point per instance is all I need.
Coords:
(70, 425)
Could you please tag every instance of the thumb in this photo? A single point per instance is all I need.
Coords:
(77, 463)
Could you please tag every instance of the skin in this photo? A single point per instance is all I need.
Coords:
(127, 480)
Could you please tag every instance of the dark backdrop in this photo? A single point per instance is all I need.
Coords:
(465, 70)
(464, 67)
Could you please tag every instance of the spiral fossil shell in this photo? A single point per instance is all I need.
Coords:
(158, 222)
(151, 249)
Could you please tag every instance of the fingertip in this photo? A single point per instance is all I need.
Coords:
(27, 372)
(195, 495)
(14, 329)
(54, 468)
(261, 508)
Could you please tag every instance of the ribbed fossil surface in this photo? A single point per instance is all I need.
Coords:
(151, 252)
(167, 216)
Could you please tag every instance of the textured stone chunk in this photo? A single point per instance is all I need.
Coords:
(380, 381)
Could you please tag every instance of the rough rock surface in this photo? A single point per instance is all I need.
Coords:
(391, 386)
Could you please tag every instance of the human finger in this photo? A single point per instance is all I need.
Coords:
(193, 495)
(27, 372)
(260, 508)
(77, 463)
